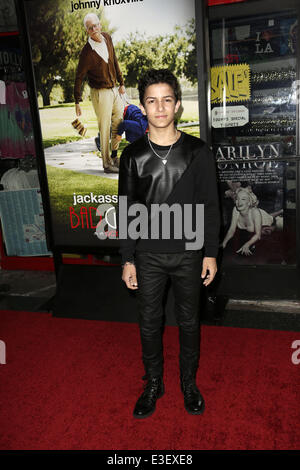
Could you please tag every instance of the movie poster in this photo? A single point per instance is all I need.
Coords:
(258, 201)
(253, 208)
(253, 121)
(139, 34)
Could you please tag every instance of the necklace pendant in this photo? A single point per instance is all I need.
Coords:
(164, 161)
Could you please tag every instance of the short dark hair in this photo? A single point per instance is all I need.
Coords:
(153, 76)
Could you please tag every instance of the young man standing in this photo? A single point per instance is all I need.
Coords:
(171, 167)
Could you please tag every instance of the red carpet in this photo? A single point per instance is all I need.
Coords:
(72, 384)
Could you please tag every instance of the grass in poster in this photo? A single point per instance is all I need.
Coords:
(63, 183)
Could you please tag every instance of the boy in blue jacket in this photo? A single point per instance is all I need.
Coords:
(134, 124)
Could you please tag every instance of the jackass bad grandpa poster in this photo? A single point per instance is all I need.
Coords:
(145, 34)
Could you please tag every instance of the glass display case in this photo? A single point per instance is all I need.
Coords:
(253, 116)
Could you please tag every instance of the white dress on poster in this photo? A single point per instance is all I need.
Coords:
(247, 216)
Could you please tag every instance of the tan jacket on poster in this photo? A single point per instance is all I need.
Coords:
(99, 73)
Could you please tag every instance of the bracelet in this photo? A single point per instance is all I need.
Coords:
(128, 262)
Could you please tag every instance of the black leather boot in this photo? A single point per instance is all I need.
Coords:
(193, 400)
(145, 405)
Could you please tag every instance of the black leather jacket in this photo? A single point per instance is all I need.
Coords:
(187, 177)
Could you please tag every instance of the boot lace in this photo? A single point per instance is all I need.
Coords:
(151, 389)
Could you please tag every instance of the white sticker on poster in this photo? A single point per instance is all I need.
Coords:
(229, 116)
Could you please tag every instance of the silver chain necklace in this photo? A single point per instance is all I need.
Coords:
(165, 158)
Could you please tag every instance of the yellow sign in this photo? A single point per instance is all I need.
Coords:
(230, 83)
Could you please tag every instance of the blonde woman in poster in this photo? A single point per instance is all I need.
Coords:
(246, 215)
(99, 63)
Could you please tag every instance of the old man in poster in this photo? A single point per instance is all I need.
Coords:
(99, 63)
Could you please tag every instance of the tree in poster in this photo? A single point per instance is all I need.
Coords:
(48, 55)
(176, 51)
(57, 37)
(190, 60)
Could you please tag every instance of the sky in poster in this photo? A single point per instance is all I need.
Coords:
(139, 16)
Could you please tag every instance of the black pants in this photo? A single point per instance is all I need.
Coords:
(153, 271)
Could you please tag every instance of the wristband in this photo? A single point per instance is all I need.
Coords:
(128, 262)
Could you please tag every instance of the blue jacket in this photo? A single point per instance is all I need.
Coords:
(134, 124)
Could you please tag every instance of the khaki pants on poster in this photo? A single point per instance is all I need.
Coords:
(108, 107)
